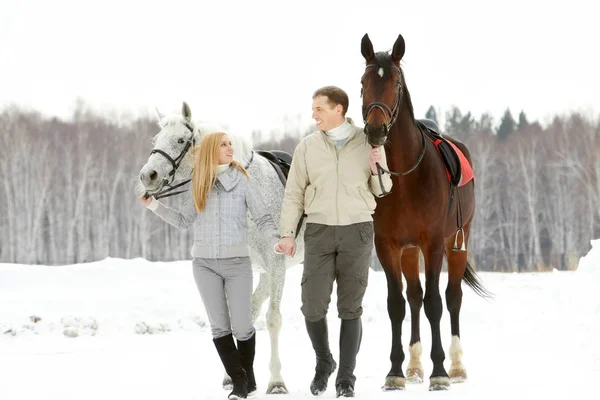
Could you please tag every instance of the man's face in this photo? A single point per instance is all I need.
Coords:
(327, 116)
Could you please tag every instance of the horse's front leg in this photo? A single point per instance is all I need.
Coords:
(434, 255)
(390, 258)
(414, 293)
(277, 279)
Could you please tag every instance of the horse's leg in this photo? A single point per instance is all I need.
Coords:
(277, 271)
(261, 293)
(433, 253)
(457, 263)
(396, 305)
(414, 293)
(258, 298)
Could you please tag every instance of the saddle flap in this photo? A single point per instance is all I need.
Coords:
(276, 158)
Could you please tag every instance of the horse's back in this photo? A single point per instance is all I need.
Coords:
(462, 147)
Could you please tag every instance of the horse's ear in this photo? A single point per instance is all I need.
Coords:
(366, 48)
(158, 114)
(186, 111)
(398, 50)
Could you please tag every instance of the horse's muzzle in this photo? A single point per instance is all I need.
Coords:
(376, 135)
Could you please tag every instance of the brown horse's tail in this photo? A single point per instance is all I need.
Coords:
(472, 280)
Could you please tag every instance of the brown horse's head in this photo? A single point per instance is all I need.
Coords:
(382, 88)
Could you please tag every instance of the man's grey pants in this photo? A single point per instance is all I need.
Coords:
(336, 253)
(221, 281)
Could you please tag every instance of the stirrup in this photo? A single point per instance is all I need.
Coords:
(462, 247)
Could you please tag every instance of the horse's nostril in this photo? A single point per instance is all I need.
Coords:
(153, 175)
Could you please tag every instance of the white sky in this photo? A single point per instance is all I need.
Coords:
(249, 63)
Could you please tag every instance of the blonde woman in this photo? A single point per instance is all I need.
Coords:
(217, 207)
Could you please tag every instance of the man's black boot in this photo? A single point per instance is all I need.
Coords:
(326, 365)
(350, 338)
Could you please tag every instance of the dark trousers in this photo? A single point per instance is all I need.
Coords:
(336, 253)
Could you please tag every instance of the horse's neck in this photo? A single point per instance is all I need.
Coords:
(405, 141)
(242, 150)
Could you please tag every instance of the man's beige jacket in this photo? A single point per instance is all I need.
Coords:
(331, 186)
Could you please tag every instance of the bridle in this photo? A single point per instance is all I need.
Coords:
(175, 163)
(390, 116)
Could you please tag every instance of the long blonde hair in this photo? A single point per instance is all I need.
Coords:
(206, 162)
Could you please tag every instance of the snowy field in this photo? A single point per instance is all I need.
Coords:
(132, 329)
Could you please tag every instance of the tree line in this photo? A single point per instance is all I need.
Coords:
(67, 188)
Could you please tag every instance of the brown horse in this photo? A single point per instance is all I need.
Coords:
(425, 212)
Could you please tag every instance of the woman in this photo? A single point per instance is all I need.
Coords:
(221, 194)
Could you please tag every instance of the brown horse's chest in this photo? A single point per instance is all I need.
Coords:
(417, 203)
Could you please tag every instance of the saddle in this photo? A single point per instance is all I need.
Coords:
(458, 169)
(448, 152)
(280, 160)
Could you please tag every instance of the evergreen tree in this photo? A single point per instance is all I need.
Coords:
(432, 115)
(507, 125)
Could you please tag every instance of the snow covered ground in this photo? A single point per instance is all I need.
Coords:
(132, 329)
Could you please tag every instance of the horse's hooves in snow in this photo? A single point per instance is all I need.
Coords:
(277, 388)
(439, 383)
(414, 375)
(457, 375)
(394, 383)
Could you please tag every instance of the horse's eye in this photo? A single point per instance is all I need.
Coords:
(398, 83)
(180, 141)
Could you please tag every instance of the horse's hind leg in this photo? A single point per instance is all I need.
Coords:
(414, 293)
(434, 255)
(261, 293)
(457, 263)
(277, 271)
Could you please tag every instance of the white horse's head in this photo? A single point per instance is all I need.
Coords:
(171, 156)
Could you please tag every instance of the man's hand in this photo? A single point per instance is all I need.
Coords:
(375, 157)
(287, 246)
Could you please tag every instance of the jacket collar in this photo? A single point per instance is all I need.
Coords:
(229, 179)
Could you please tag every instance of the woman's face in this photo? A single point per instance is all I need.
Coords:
(225, 151)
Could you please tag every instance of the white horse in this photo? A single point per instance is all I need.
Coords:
(170, 162)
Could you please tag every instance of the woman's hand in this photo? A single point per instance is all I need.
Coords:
(145, 200)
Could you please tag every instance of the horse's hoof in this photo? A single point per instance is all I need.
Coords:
(439, 383)
(414, 375)
(277, 388)
(394, 383)
(458, 375)
(227, 384)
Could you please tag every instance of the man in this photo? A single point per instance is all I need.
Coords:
(332, 179)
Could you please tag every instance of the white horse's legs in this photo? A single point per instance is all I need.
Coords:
(260, 295)
(276, 384)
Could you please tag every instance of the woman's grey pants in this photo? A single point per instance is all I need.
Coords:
(221, 281)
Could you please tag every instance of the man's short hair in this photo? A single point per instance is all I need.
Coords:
(335, 96)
